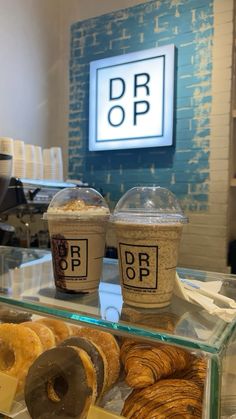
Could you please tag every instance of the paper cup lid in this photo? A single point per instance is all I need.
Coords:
(77, 202)
(149, 205)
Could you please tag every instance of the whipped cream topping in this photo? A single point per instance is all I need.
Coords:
(78, 207)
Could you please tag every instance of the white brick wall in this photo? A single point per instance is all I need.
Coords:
(205, 239)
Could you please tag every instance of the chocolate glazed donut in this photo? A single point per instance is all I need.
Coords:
(97, 357)
(59, 385)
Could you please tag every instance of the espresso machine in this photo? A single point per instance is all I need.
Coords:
(26, 200)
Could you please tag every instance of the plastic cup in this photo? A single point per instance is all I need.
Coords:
(148, 222)
(77, 220)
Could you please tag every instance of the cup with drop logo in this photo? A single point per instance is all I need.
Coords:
(148, 222)
(77, 221)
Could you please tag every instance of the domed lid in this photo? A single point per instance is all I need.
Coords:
(77, 202)
(151, 205)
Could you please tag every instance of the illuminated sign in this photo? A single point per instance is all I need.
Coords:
(131, 100)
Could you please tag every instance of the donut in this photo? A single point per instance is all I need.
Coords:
(8, 315)
(19, 347)
(45, 334)
(97, 357)
(73, 329)
(60, 329)
(60, 383)
(110, 348)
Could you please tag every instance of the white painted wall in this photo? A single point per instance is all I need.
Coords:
(34, 53)
(29, 48)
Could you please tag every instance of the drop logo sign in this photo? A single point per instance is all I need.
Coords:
(131, 100)
(139, 265)
(71, 257)
(117, 114)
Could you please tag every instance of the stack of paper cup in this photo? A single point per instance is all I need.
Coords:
(19, 159)
(57, 158)
(38, 162)
(6, 147)
(30, 165)
(49, 168)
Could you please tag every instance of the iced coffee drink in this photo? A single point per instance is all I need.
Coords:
(148, 224)
(77, 221)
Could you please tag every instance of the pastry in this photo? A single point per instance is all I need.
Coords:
(61, 383)
(97, 357)
(8, 315)
(45, 334)
(73, 329)
(60, 329)
(145, 363)
(19, 348)
(110, 348)
(196, 371)
(171, 398)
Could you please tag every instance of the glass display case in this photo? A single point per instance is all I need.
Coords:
(27, 289)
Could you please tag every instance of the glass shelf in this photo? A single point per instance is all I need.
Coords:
(26, 282)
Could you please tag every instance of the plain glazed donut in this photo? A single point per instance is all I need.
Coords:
(45, 334)
(60, 329)
(19, 347)
(73, 329)
(110, 348)
(97, 357)
(61, 383)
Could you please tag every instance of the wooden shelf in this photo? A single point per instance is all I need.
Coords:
(233, 182)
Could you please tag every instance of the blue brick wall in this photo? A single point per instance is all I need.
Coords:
(183, 168)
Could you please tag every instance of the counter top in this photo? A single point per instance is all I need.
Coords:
(26, 282)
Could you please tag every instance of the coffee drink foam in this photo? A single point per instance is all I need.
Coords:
(78, 207)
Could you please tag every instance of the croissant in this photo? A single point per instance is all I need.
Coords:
(169, 398)
(145, 364)
(196, 372)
